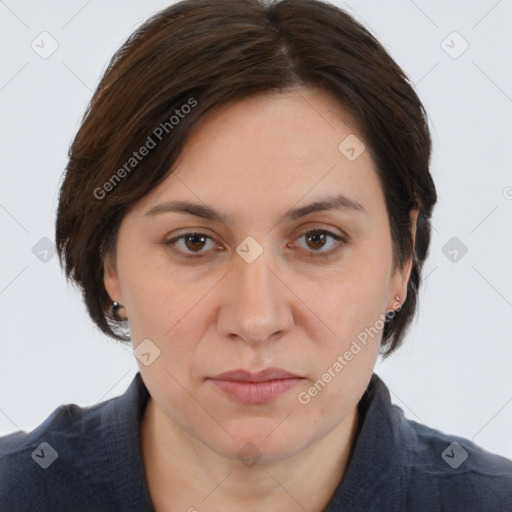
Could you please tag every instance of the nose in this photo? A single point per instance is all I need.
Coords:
(255, 302)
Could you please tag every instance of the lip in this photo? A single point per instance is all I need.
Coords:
(255, 388)
(263, 376)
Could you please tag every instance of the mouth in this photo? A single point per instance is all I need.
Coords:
(255, 388)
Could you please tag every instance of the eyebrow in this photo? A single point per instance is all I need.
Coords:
(329, 203)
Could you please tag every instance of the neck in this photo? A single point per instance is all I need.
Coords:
(184, 474)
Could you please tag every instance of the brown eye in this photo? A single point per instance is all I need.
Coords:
(189, 245)
(194, 241)
(317, 240)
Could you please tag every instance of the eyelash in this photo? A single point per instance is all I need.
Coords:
(313, 254)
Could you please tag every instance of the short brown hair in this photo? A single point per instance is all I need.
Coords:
(206, 53)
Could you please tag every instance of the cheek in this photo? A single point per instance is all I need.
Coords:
(172, 315)
(346, 320)
(344, 361)
(155, 300)
(351, 299)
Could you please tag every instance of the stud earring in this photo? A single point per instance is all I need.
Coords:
(392, 312)
(115, 310)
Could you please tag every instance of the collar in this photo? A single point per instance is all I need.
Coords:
(121, 421)
(376, 464)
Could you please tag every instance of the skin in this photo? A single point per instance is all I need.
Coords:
(289, 308)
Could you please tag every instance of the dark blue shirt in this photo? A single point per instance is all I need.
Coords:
(89, 459)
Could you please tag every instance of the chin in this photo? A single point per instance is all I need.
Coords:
(256, 443)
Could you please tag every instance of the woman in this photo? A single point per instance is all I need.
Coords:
(247, 202)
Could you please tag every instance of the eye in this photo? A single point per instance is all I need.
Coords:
(318, 239)
(194, 245)
(189, 245)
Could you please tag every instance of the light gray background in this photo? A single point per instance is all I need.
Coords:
(454, 372)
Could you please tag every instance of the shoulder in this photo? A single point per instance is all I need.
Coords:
(54, 460)
(423, 468)
(451, 470)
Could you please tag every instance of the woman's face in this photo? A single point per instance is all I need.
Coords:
(267, 283)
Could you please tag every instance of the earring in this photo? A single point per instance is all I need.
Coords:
(115, 310)
(392, 312)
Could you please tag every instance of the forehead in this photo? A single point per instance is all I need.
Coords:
(270, 150)
(296, 125)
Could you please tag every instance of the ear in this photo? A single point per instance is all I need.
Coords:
(401, 276)
(111, 281)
